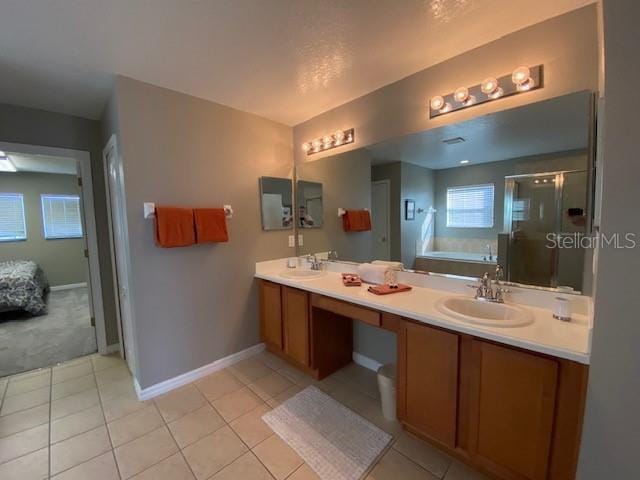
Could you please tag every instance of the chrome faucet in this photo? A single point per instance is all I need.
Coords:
(314, 261)
(485, 291)
(488, 247)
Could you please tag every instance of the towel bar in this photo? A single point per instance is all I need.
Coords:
(149, 209)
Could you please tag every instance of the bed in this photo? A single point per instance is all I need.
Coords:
(23, 285)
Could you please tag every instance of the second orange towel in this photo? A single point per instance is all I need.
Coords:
(211, 225)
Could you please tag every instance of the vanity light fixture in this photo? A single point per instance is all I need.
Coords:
(464, 162)
(521, 80)
(327, 142)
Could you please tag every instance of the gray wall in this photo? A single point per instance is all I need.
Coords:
(494, 173)
(567, 45)
(62, 260)
(197, 304)
(346, 183)
(612, 424)
(37, 127)
(417, 185)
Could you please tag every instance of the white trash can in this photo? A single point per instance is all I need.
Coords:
(387, 387)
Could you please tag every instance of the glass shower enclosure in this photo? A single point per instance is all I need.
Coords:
(545, 215)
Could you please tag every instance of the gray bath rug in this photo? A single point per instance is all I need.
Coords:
(335, 442)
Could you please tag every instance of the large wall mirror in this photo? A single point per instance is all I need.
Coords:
(506, 188)
(276, 202)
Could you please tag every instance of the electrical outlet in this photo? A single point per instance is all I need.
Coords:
(292, 240)
(300, 240)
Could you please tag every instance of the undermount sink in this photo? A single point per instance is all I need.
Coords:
(470, 310)
(302, 274)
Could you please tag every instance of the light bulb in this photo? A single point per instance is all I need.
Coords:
(489, 85)
(464, 162)
(520, 75)
(461, 94)
(446, 108)
(497, 94)
(437, 102)
(327, 140)
(526, 85)
(316, 145)
(306, 147)
(339, 135)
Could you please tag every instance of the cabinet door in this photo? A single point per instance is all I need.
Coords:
(513, 396)
(428, 363)
(271, 314)
(296, 324)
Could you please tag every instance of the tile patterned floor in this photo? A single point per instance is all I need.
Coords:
(83, 420)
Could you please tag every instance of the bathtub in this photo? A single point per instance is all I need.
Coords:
(460, 256)
(468, 264)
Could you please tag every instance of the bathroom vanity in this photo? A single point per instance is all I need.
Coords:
(508, 401)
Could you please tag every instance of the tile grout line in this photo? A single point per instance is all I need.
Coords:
(180, 449)
(104, 418)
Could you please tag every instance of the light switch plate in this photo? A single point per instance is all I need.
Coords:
(292, 240)
(300, 240)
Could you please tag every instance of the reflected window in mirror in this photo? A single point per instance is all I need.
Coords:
(276, 201)
(309, 203)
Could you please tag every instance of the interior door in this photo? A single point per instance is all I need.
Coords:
(85, 249)
(380, 220)
(119, 239)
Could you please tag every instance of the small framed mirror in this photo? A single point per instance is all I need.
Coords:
(276, 200)
(309, 202)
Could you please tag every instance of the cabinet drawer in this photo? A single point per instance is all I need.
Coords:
(346, 309)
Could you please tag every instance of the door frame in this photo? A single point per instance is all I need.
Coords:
(386, 182)
(94, 281)
(118, 282)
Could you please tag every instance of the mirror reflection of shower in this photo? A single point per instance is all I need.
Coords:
(535, 206)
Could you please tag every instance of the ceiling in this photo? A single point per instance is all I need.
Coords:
(556, 125)
(43, 163)
(287, 60)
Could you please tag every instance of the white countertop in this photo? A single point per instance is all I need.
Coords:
(545, 335)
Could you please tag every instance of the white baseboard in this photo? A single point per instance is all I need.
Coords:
(67, 287)
(188, 377)
(113, 348)
(366, 362)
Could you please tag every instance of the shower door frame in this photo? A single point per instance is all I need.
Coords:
(509, 191)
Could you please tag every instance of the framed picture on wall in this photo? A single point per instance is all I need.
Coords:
(409, 210)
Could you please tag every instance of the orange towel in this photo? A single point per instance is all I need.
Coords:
(356, 221)
(174, 227)
(386, 289)
(211, 225)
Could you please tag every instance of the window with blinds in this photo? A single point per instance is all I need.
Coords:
(12, 224)
(61, 216)
(470, 206)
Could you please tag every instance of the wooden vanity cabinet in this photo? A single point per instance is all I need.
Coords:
(271, 315)
(512, 403)
(295, 324)
(285, 323)
(514, 414)
(428, 381)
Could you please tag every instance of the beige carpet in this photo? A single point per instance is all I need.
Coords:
(65, 332)
(335, 442)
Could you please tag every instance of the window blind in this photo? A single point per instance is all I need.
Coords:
(61, 216)
(470, 206)
(12, 224)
